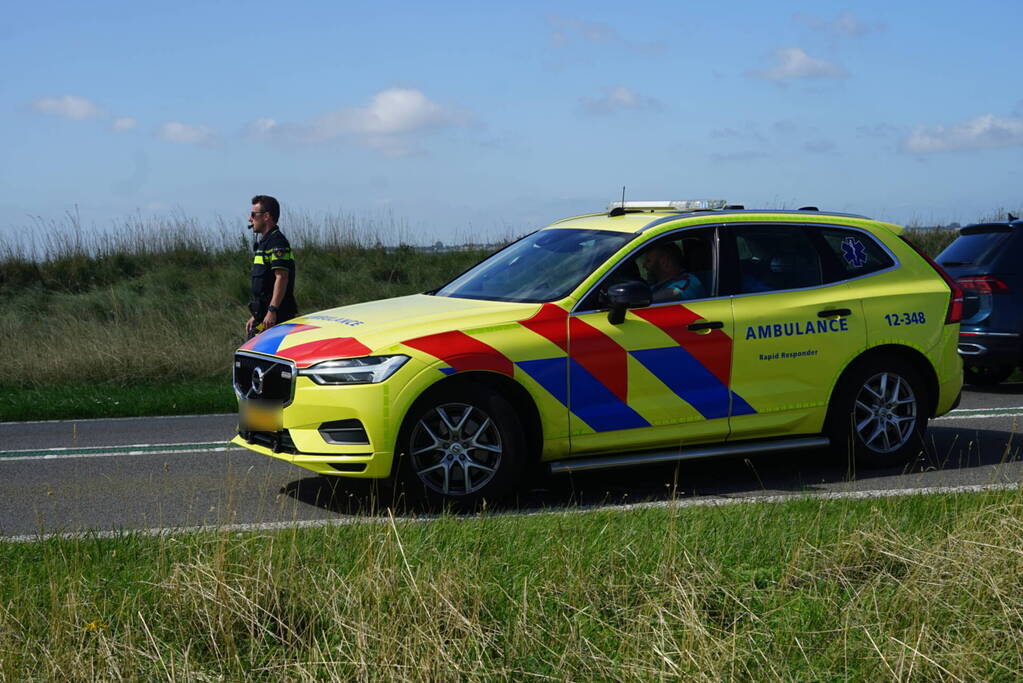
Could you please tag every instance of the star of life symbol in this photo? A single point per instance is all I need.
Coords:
(853, 251)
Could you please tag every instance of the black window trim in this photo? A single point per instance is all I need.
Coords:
(896, 262)
(715, 245)
(727, 247)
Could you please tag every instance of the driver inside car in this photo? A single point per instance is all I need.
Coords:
(669, 280)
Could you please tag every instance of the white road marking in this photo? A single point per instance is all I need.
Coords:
(112, 451)
(85, 449)
(983, 410)
(117, 419)
(695, 502)
(950, 416)
(208, 447)
(69, 456)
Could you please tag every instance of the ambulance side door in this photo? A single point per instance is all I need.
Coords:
(794, 332)
(659, 378)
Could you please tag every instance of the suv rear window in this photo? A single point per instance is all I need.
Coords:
(776, 257)
(852, 254)
(974, 248)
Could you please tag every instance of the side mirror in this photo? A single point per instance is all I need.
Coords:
(625, 295)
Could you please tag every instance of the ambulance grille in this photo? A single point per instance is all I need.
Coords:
(257, 378)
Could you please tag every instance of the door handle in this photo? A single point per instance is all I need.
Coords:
(834, 311)
(696, 327)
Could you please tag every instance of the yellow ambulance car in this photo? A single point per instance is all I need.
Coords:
(651, 332)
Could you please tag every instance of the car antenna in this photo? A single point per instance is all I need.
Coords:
(618, 210)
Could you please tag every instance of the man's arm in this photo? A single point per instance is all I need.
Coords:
(280, 288)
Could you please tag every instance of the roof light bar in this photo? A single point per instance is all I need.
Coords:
(671, 205)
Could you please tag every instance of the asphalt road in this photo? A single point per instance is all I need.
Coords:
(146, 473)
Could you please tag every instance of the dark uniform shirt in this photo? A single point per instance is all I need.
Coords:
(273, 252)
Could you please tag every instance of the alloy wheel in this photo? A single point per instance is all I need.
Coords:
(885, 412)
(455, 449)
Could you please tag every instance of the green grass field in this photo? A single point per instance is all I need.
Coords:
(145, 321)
(914, 588)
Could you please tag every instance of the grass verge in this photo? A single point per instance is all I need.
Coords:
(77, 401)
(921, 587)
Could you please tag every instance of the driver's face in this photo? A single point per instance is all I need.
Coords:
(652, 265)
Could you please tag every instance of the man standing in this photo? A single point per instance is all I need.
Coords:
(273, 269)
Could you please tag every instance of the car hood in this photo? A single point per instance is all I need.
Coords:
(380, 326)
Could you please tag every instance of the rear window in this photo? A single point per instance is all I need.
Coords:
(852, 254)
(776, 257)
(974, 249)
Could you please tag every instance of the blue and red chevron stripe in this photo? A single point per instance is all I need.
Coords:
(270, 341)
(306, 354)
(592, 378)
(462, 352)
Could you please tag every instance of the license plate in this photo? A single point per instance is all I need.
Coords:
(254, 417)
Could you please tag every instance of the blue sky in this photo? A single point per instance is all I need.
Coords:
(483, 119)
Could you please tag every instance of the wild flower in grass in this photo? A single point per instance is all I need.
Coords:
(96, 625)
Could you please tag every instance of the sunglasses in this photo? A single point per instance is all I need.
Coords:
(256, 213)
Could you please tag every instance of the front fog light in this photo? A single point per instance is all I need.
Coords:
(368, 370)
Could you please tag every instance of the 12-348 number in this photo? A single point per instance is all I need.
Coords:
(897, 319)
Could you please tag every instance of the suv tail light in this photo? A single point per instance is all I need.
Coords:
(955, 303)
(984, 284)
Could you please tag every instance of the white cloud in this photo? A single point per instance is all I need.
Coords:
(260, 127)
(617, 99)
(124, 123)
(69, 107)
(566, 31)
(981, 132)
(775, 139)
(566, 28)
(391, 122)
(394, 111)
(186, 134)
(793, 63)
(844, 25)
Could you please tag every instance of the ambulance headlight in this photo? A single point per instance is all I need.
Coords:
(367, 370)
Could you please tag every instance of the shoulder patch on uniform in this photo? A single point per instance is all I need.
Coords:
(280, 252)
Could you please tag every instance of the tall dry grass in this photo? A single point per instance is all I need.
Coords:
(911, 589)
(158, 301)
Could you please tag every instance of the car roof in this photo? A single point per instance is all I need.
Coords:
(636, 222)
(992, 226)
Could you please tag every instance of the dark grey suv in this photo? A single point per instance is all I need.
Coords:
(987, 262)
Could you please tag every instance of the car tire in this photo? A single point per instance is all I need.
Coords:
(879, 411)
(460, 446)
(986, 375)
